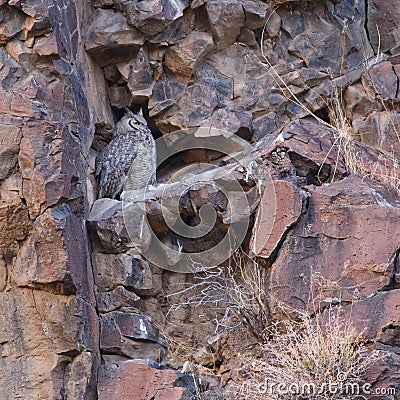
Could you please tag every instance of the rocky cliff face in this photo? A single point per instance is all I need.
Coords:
(312, 87)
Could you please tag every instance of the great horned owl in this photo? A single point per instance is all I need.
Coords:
(132, 142)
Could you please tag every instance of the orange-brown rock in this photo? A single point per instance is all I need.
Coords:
(183, 57)
(339, 214)
(42, 177)
(42, 259)
(49, 332)
(46, 45)
(3, 275)
(20, 53)
(15, 226)
(116, 299)
(32, 322)
(377, 318)
(128, 380)
(10, 138)
(279, 209)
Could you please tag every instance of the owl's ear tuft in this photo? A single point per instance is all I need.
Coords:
(128, 112)
(140, 112)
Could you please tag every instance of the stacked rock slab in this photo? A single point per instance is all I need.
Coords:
(82, 314)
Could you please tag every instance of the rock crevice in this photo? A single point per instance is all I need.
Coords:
(311, 88)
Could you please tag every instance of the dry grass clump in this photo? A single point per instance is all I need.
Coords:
(178, 350)
(385, 169)
(310, 354)
(320, 357)
(235, 293)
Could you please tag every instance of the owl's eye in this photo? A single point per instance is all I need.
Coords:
(133, 122)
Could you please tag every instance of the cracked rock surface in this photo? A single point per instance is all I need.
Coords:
(84, 315)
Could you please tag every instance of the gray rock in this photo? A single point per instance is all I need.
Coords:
(120, 96)
(226, 18)
(387, 36)
(115, 270)
(12, 21)
(132, 335)
(152, 16)
(10, 138)
(116, 299)
(382, 80)
(139, 75)
(110, 39)
(255, 13)
(106, 222)
(264, 126)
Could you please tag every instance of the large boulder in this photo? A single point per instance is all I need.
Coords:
(151, 17)
(110, 39)
(142, 380)
(183, 57)
(226, 18)
(338, 215)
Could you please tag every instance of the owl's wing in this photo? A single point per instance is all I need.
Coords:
(113, 166)
(98, 165)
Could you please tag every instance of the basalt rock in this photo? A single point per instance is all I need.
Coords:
(386, 36)
(151, 17)
(12, 22)
(311, 87)
(226, 19)
(381, 327)
(49, 345)
(282, 201)
(115, 270)
(183, 57)
(106, 220)
(120, 96)
(140, 75)
(336, 216)
(119, 381)
(255, 13)
(10, 137)
(116, 299)
(110, 39)
(131, 335)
